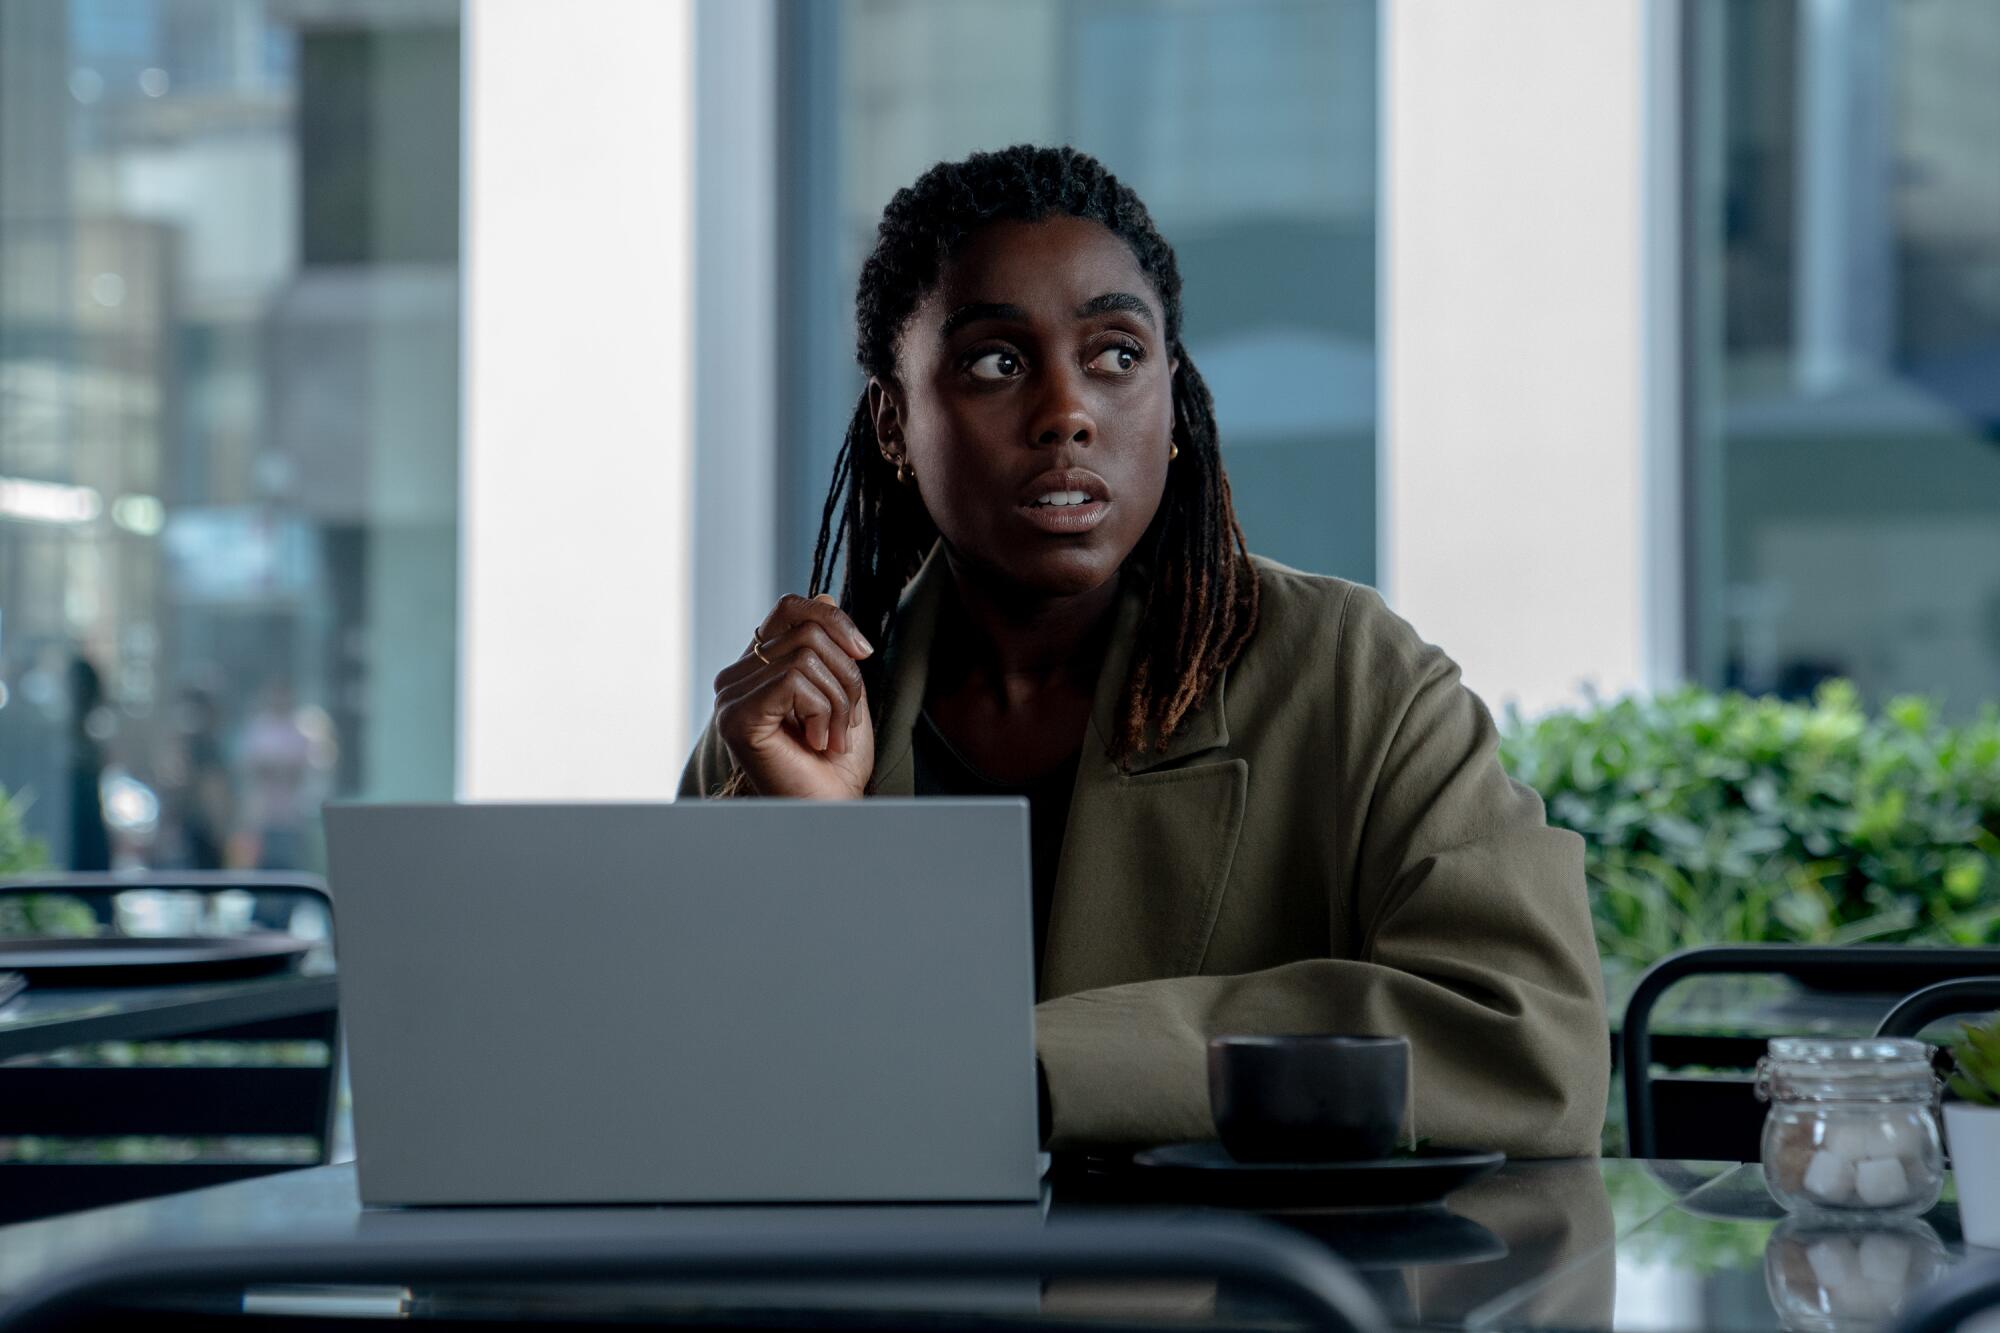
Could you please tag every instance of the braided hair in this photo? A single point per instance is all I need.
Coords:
(1201, 601)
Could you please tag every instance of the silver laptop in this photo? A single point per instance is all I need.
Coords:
(714, 1001)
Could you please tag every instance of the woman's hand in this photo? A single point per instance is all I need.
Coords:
(793, 710)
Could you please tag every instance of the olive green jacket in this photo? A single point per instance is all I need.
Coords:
(1328, 845)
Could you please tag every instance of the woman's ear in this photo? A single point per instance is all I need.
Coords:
(886, 408)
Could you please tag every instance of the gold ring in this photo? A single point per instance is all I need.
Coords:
(758, 649)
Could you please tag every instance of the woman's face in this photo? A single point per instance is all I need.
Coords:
(1034, 404)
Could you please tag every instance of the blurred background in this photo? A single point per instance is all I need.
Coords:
(229, 351)
(409, 399)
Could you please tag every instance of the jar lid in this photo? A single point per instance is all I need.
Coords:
(1869, 1051)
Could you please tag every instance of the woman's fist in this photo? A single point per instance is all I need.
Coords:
(793, 710)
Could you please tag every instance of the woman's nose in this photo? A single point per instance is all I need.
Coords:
(1072, 426)
(1062, 418)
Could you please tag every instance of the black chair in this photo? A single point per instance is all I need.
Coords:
(1917, 1011)
(51, 1095)
(1245, 1252)
(1946, 1304)
(1715, 1117)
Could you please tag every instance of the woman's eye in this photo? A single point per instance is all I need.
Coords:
(1118, 360)
(995, 366)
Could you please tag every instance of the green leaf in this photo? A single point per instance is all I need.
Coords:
(1975, 1066)
(1719, 818)
(1985, 1038)
(19, 853)
(1910, 712)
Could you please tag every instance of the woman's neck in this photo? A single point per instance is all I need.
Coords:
(1018, 646)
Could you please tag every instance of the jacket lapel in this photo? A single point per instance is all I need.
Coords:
(1146, 854)
(906, 668)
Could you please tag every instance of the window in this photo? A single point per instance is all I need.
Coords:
(1845, 253)
(1248, 128)
(228, 420)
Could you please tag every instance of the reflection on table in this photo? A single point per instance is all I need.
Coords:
(1727, 1258)
(1581, 1245)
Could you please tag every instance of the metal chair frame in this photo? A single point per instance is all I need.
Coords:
(101, 1103)
(1256, 1254)
(1918, 1010)
(1890, 965)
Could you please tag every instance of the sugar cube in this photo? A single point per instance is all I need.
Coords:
(1857, 1137)
(1881, 1181)
(1830, 1177)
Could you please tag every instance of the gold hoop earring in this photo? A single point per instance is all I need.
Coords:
(903, 473)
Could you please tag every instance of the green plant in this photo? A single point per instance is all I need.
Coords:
(1720, 818)
(33, 913)
(19, 853)
(1976, 1051)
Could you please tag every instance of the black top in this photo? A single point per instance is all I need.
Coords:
(942, 771)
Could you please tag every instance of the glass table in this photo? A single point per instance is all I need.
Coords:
(1656, 1247)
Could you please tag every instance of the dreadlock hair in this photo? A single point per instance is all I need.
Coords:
(1201, 601)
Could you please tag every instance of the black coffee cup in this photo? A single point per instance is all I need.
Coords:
(1308, 1098)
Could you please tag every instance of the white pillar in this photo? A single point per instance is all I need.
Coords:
(575, 547)
(1517, 431)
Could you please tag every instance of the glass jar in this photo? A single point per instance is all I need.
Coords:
(1853, 1126)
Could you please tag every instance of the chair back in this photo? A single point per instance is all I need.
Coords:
(1918, 1010)
(92, 1126)
(1721, 1116)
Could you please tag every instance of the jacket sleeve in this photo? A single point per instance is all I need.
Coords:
(707, 768)
(1472, 930)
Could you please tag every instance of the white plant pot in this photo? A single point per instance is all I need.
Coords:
(1974, 1136)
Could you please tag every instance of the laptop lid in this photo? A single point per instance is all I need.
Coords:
(711, 1001)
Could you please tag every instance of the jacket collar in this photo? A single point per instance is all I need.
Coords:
(1146, 854)
(906, 672)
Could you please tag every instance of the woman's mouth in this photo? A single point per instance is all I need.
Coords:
(1066, 500)
(1066, 511)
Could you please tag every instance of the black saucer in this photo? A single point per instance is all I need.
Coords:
(1206, 1172)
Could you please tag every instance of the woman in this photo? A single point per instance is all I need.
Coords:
(1259, 802)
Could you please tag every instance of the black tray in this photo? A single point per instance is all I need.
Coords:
(119, 960)
(1204, 1171)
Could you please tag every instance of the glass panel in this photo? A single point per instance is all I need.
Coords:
(1846, 251)
(1248, 128)
(228, 419)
